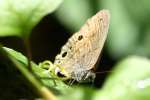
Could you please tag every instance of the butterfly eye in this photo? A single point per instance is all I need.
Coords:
(59, 73)
(64, 54)
(80, 37)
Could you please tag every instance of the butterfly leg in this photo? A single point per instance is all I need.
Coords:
(71, 82)
(90, 76)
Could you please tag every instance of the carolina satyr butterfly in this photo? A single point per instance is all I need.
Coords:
(80, 54)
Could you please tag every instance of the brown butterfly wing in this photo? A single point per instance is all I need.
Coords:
(82, 50)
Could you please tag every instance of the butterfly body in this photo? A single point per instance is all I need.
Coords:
(80, 54)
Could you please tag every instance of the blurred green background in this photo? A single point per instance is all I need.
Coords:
(129, 31)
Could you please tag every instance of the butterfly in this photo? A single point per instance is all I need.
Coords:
(81, 52)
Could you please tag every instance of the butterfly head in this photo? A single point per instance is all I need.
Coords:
(60, 72)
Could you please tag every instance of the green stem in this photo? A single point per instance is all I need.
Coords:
(42, 90)
(28, 51)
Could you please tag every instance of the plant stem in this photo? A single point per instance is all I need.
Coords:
(43, 91)
(28, 51)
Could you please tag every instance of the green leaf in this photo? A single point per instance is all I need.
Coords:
(130, 80)
(18, 17)
(42, 74)
(78, 93)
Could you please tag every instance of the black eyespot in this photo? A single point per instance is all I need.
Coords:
(70, 48)
(101, 19)
(59, 74)
(64, 54)
(80, 37)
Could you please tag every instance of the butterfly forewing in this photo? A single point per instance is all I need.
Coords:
(82, 50)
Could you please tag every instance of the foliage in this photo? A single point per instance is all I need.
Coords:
(130, 78)
(18, 17)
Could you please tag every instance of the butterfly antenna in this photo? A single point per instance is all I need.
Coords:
(103, 72)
